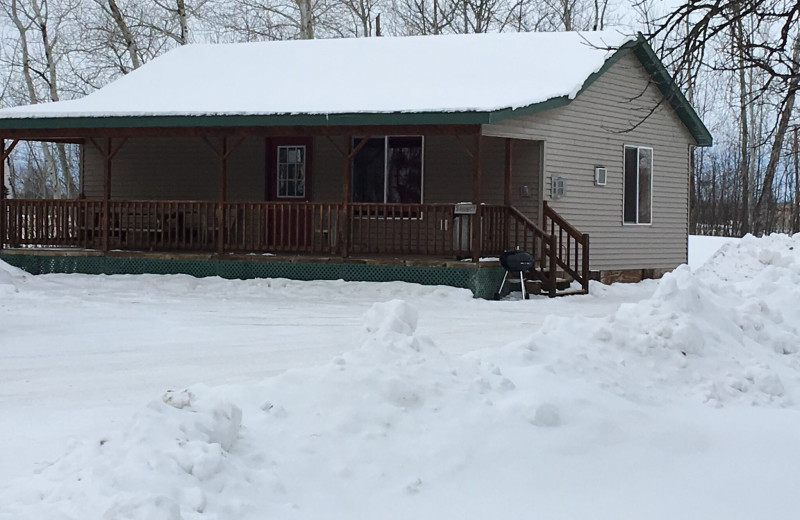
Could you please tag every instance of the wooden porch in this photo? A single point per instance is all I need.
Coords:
(446, 231)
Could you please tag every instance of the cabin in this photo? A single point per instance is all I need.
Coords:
(414, 158)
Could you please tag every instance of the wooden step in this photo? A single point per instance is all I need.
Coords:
(574, 292)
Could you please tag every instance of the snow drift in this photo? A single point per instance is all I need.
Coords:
(590, 416)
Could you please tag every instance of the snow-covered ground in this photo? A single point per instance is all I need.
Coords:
(168, 397)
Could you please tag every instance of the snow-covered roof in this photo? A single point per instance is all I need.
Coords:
(453, 73)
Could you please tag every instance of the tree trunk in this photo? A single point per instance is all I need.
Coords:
(306, 20)
(181, 12)
(130, 41)
(796, 205)
(50, 64)
(744, 161)
(766, 199)
(49, 163)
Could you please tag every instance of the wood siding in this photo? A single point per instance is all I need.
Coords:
(592, 131)
(176, 169)
(188, 169)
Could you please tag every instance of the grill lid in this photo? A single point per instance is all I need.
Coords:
(516, 260)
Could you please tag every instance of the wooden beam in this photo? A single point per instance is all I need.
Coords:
(347, 173)
(476, 199)
(234, 147)
(3, 156)
(358, 148)
(476, 170)
(507, 192)
(338, 148)
(107, 194)
(60, 134)
(223, 194)
(113, 152)
(7, 151)
(223, 171)
(508, 172)
(465, 147)
(97, 147)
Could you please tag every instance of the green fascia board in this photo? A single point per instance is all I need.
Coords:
(201, 121)
(277, 120)
(639, 47)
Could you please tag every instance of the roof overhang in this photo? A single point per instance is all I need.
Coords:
(27, 128)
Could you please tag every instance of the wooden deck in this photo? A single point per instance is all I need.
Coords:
(398, 234)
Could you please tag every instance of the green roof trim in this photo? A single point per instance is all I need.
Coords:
(639, 47)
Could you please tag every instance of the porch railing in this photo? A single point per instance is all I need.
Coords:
(297, 227)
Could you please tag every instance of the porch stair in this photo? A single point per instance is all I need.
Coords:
(560, 251)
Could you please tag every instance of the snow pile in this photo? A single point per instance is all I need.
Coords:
(725, 333)
(11, 278)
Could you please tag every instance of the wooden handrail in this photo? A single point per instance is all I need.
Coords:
(527, 236)
(572, 246)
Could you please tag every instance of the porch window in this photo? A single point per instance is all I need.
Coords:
(638, 200)
(291, 171)
(388, 170)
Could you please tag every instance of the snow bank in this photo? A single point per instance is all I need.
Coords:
(703, 247)
(607, 403)
(726, 333)
(11, 278)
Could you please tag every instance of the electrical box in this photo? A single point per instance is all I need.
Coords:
(600, 175)
(558, 187)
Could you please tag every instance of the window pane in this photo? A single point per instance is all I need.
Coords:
(369, 171)
(631, 190)
(645, 180)
(404, 173)
(291, 171)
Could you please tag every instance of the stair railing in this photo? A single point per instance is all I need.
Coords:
(524, 234)
(571, 245)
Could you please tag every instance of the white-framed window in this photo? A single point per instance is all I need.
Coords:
(291, 172)
(389, 169)
(638, 198)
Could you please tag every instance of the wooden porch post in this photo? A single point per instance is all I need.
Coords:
(476, 198)
(507, 192)
(107, 194)
(347, 172)
(223, 195)
(2, 196)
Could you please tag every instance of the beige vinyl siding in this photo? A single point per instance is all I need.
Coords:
(592, 131)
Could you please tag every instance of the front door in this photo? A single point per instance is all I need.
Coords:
(288, 182)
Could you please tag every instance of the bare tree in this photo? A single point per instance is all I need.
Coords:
(35, 19)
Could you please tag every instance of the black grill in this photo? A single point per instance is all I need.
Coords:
(516, 261)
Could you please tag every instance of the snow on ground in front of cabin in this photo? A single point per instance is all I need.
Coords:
(169, 397)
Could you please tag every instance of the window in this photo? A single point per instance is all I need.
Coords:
(638, 203)
(292, 171)
(388, 170)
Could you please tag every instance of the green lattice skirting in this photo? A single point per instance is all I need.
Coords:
(483, 281)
